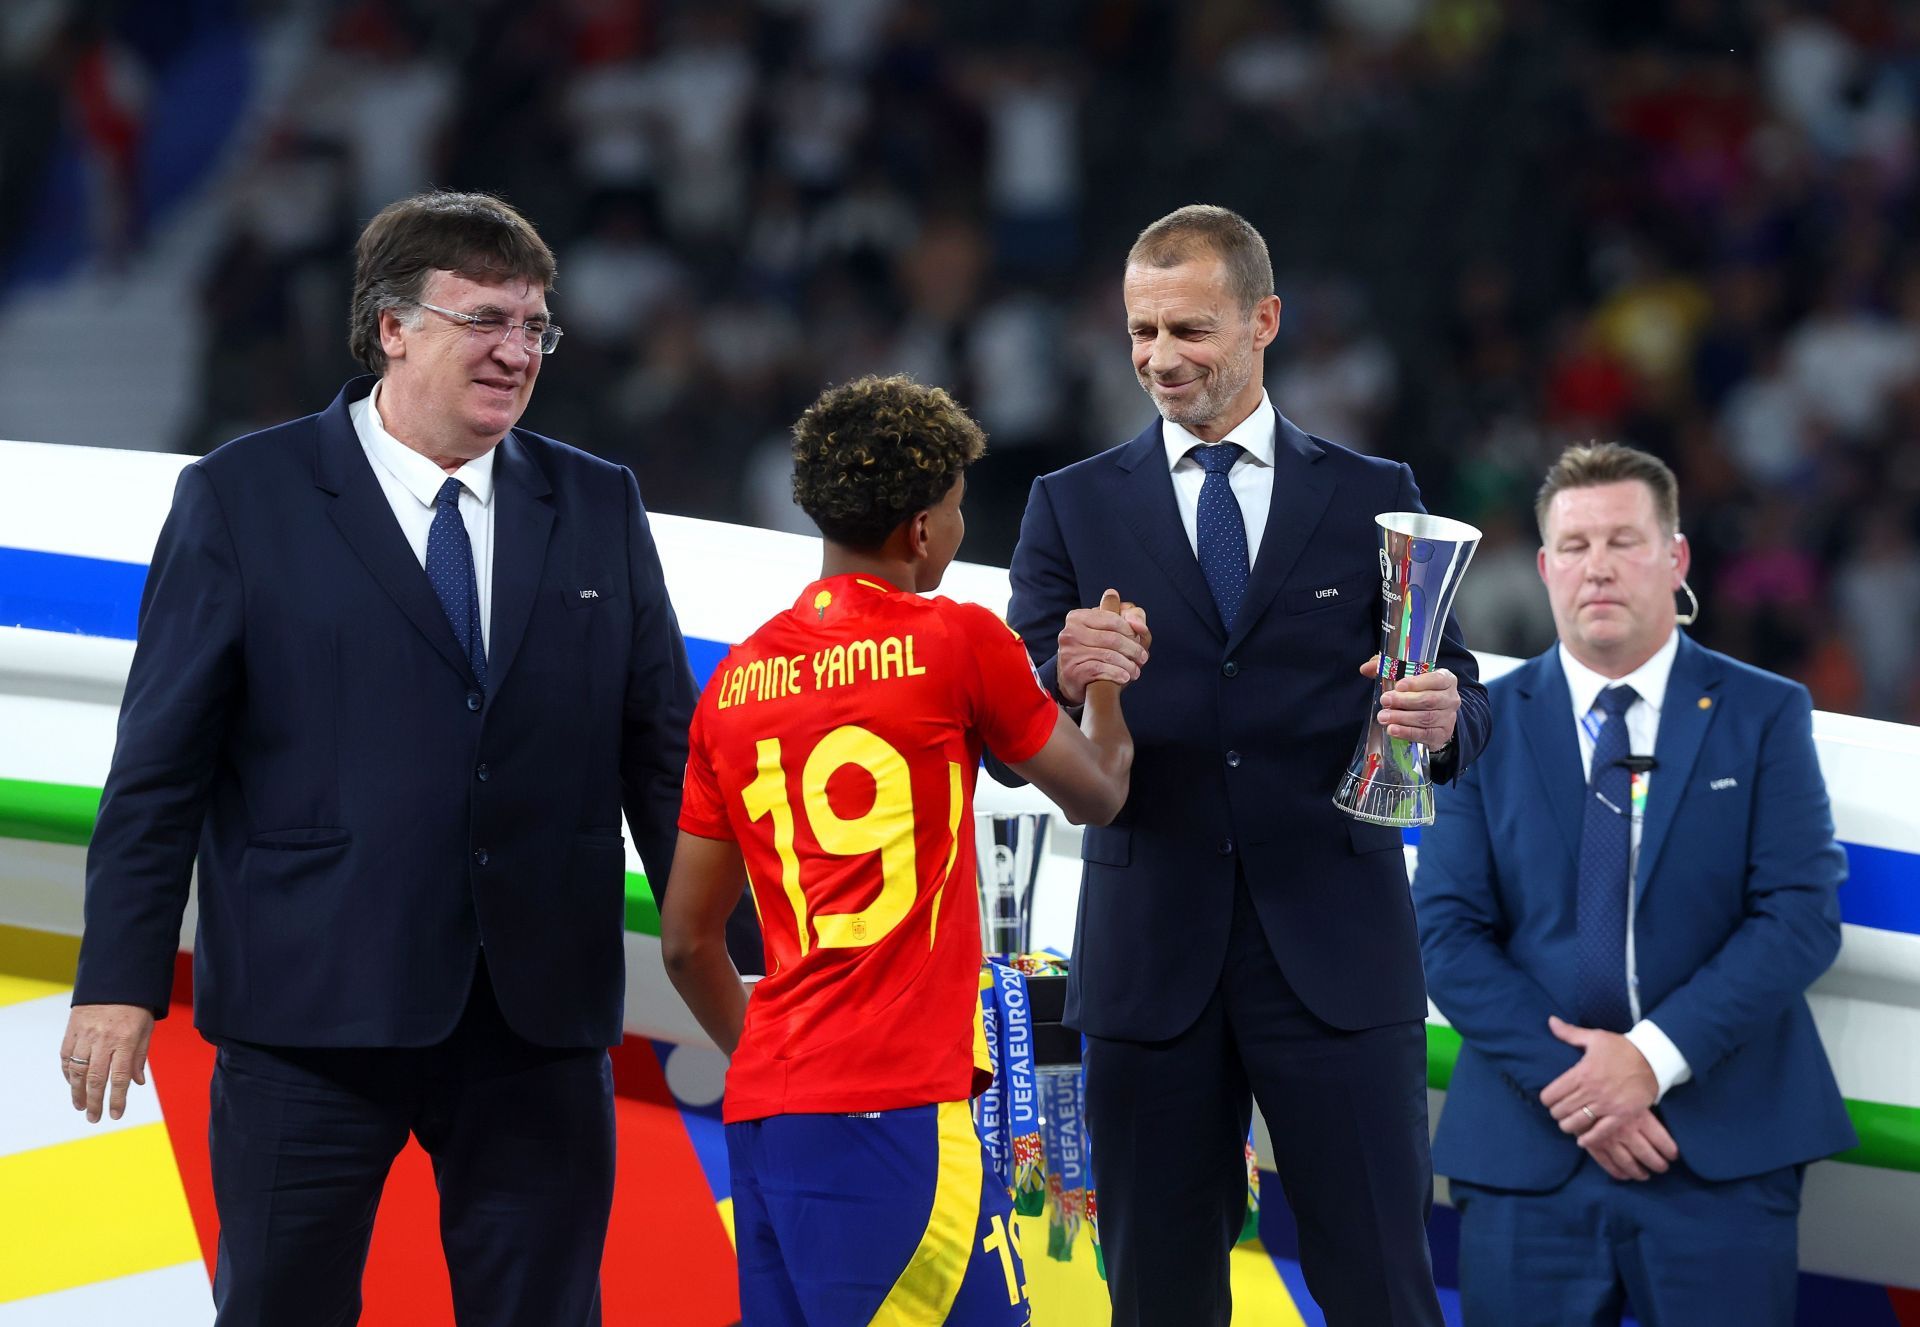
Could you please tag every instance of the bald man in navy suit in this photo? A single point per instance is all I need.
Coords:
(1238, 937)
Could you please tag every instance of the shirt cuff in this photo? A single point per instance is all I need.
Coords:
(1670, 1067)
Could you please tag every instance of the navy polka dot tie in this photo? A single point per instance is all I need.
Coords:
(450, 568)
(1220, 532)
(1606, 851)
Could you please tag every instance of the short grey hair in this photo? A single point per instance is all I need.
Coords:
(1591, 464)
(1201, 230)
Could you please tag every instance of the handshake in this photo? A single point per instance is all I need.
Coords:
(1112, 643)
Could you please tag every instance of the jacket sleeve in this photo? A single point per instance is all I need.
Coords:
(182, 691)
(1496, 1007)
(1791, 931)
(658, 708)
(1474, 727)
(1043, 593)
(1044, 588)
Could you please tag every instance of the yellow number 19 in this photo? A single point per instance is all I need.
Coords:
(1001, 1242)
(887, 827)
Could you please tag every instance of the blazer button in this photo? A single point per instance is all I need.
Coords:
(481, 773)
(1233, 760)
(1226, 848)
(1230, 668)
(473, 701)
(480, 856)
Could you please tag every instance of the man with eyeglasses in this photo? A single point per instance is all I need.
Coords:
(401, 668)
(1621, 906)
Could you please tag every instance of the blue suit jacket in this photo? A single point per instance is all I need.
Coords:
(300, 717)
(1240, 739)
(1735, 916)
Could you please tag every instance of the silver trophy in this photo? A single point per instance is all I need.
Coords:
(1422, 559)
(1008, 850)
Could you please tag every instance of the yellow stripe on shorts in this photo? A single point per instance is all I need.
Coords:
(931, 1281)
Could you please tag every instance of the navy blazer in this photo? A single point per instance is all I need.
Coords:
(1735, 915)
(1240, 738)
(301, 718)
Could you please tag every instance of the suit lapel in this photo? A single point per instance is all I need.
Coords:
(1147, 505)
(1692, 700)
(1301, 492)
(363, 516)
(521, 525)
(1547, 720)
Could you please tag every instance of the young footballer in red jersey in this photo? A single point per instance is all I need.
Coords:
(834, 754)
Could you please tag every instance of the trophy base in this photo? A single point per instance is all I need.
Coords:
(1396, 807)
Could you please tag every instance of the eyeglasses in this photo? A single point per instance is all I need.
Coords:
(538, 337)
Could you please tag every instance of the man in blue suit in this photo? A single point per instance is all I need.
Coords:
(1621, 907)
(1238, 937)
(401, 667)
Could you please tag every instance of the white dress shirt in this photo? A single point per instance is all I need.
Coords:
(411, 483)
(1649, 682)
(1251, 477)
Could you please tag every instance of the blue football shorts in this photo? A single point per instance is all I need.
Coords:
(893, 1218)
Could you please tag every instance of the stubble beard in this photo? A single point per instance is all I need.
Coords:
(1211, 401)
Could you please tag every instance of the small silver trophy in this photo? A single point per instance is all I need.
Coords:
(1422, 559)
(1008, 850)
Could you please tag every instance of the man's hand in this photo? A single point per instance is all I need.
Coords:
(105, 1049)
(1101, 644)
(1632, 1146)
(1420, 709)
(1612, 1079)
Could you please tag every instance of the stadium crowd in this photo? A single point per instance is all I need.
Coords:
(1498, 226)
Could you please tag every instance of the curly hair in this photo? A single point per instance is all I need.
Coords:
(870, 453)
(477, 235)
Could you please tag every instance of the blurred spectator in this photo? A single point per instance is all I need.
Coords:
(1031, 104)
(617, 274)
(379, 92)
(1337, 378)
(1766, 424)
(700, 90)
(1878, 593)
(817, 117)
(1650, 319)
(1769, 587)
(106, 97)
(1847, 359)
(1272, 65)
(1011, 361)
(1588, 388)
(1810, 67)
(1501, 603)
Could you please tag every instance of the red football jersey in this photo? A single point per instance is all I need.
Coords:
(838, 746)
